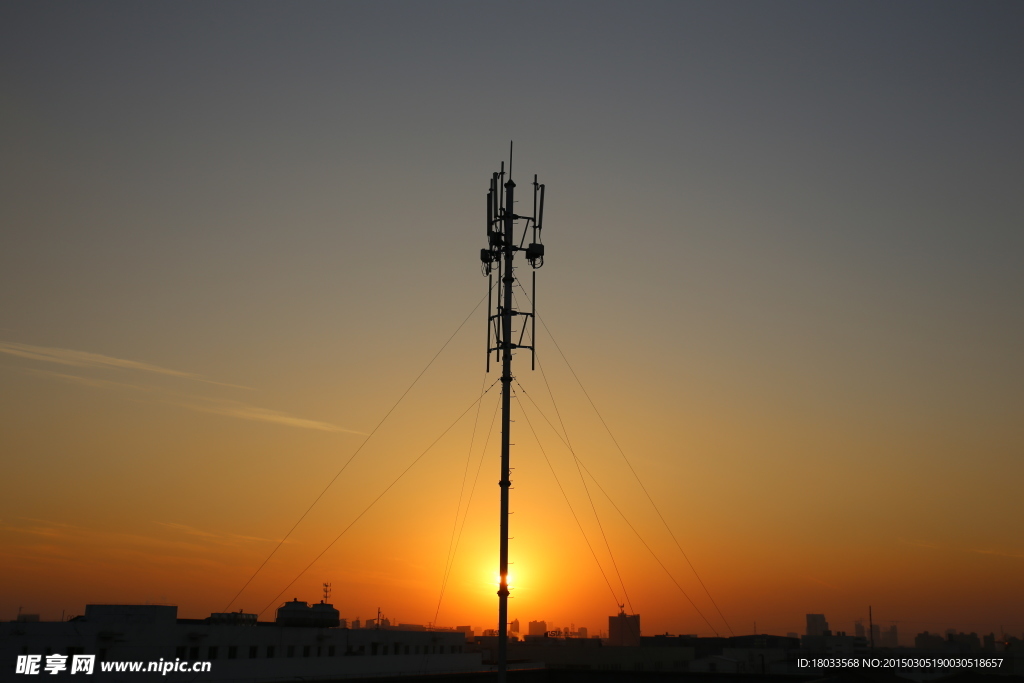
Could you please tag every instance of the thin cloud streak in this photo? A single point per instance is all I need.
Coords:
(64, 535)
(63, 543)
(213, 536)
(247, 412)
(86, 359)
(999, 553)
(65, 531)
(88, 381)
(225, 407)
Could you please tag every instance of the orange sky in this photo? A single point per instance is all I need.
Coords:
(167, 502)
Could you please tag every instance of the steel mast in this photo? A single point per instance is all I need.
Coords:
(499, 255)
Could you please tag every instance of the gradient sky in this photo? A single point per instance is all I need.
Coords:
(784, 257)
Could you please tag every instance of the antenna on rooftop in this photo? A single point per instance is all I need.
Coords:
(498, 259)
(327, 590)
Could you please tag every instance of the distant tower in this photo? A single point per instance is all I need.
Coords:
(327, 591)
(816, 625)
(871, 629)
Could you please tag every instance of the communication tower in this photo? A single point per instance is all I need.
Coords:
(498, 259)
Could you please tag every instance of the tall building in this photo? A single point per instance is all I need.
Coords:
(816, 625)
(890, 638)
(624, 629)
(537, 628)
(858, 629)
(514, 626)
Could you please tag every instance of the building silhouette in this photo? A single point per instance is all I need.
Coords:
(817, 626)
(297, 645)
(962, 643)
(298, 613)
(537, 628)
(624, 629)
